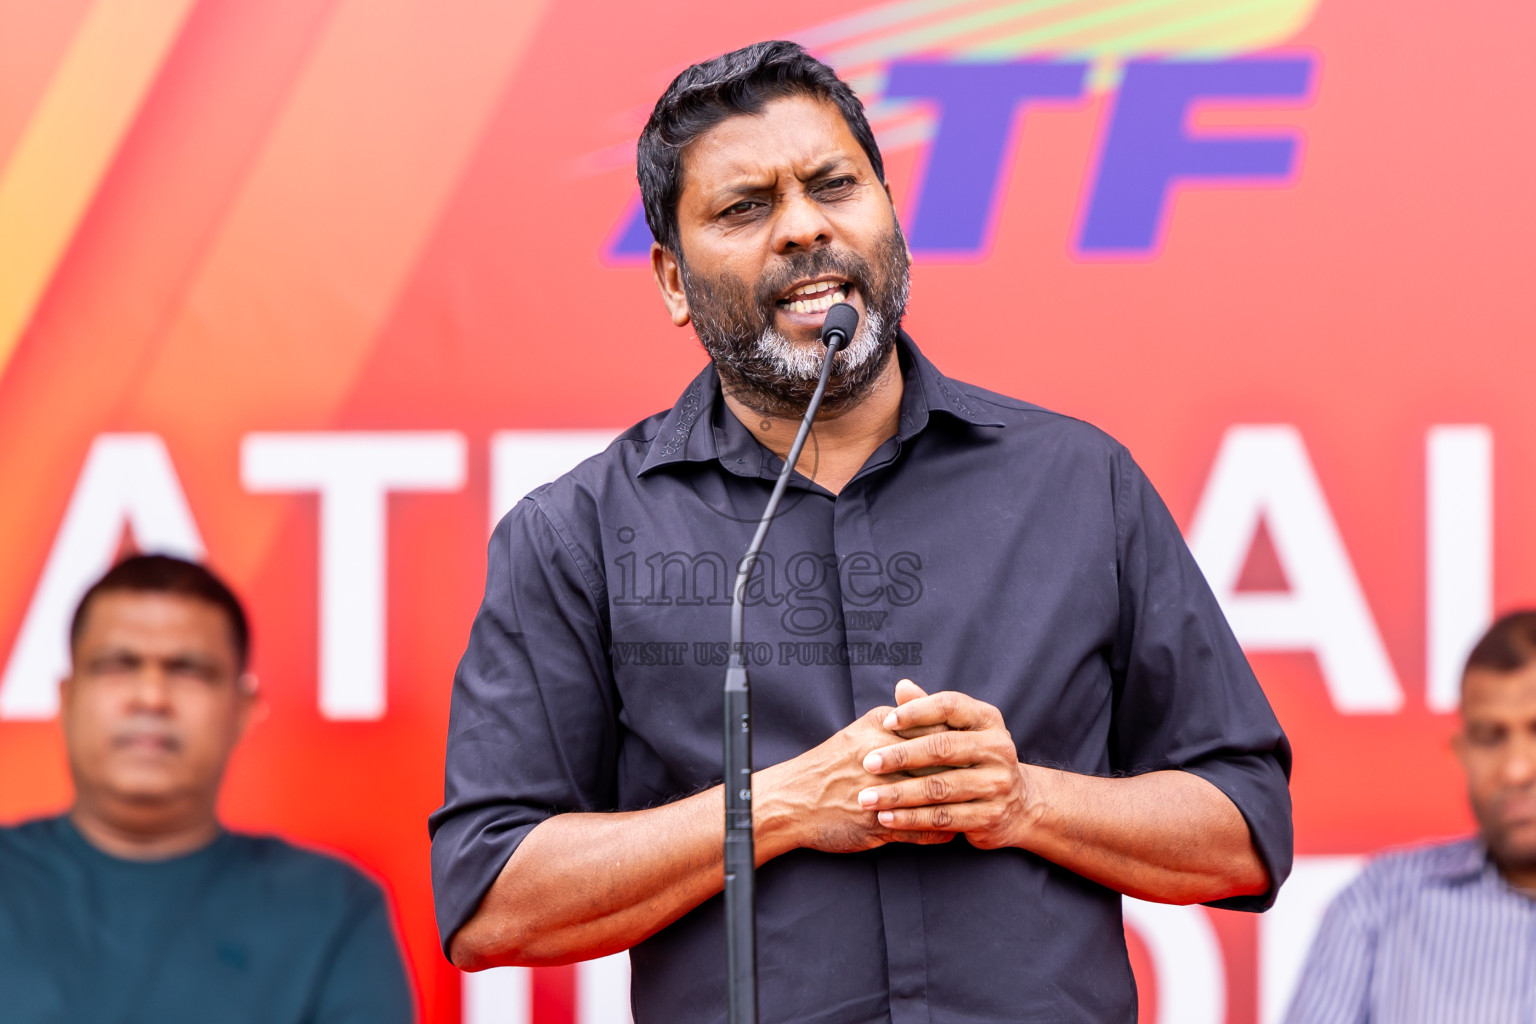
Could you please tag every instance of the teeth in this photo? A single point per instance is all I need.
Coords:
(826, 300)
(815, 287)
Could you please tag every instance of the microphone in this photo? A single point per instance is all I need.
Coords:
(837, 329)
(740, 917)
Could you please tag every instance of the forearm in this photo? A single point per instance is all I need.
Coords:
(1169, 836)
(585, 885)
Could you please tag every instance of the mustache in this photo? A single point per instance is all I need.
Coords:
(815, 263)
(140, 730)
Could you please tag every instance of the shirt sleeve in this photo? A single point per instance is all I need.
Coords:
(1185, 696)
(366, 983)
(1335, 982)
(533, 726)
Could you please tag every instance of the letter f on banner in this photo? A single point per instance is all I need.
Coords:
(1148, 149)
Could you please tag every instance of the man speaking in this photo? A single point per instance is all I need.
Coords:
(992, 691)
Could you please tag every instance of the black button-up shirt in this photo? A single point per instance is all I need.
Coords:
(990, 547)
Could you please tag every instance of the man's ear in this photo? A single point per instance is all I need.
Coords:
(891, 197)
(253, 709)
(669, 279)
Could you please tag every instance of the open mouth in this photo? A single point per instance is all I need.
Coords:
(816, 296)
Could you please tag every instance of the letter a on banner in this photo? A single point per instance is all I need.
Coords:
(128, 480)
(1262, 473)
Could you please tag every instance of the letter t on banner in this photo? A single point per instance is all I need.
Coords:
(353, 474)
(978, 106)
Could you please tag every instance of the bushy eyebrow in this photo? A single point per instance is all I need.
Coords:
(824, 169)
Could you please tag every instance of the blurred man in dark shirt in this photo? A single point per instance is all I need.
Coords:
(138, 905)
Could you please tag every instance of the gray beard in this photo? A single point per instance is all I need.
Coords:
(794, 362)
(773, 376)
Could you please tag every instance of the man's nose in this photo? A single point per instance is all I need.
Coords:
(151, 690)
(1520, 765)
(801, 224)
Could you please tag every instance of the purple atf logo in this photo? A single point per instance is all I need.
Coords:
(965, 106)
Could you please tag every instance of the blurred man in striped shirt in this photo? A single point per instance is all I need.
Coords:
(1447, 933)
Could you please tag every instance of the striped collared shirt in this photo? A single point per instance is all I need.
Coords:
(1425, 936)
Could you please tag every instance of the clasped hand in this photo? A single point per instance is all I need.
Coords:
(980, 789)
(933, 767)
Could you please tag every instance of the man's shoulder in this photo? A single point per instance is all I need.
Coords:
(35, 841)
(1032, 423)
(297, 873)
(1425, 862)
(580, 489)
(1393, 875)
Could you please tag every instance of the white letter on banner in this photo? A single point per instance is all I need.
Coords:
(1286, 930)
(522, 460)
(1459, 560)
(127, 480)
(1186, 954)
(500, 995)
(602, 990)
(353, 473)
(1263, 473)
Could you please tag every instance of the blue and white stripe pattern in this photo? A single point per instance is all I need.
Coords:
(1425, 936)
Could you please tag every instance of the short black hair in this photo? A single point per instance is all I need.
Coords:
(164, 574)
(1508, 646)
(743, 81)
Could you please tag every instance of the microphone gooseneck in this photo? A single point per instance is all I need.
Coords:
(740, 918)
(836, 330)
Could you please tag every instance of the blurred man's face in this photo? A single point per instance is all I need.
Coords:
(155, 701)
(1497, 747)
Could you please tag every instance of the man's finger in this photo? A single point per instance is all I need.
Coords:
(948, 786)
(947, 707)
(908, 691)
(944, 748)
(941, 818)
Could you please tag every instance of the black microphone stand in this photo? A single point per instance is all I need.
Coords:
(740, 916)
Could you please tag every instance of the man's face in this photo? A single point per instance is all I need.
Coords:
(1497, 747)
(155, 701)
(780, 216)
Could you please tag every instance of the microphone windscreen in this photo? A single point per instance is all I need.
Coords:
(842, 320)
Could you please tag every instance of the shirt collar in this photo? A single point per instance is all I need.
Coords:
(1466, 862)
(699, 427)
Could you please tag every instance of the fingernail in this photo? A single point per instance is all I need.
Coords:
(890, 720)
(886, 817)
(868, 798)
(872, 763)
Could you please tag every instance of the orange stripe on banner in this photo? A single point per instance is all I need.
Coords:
(103, 315)
(69, 144)
(305, 271)
(34, 38)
